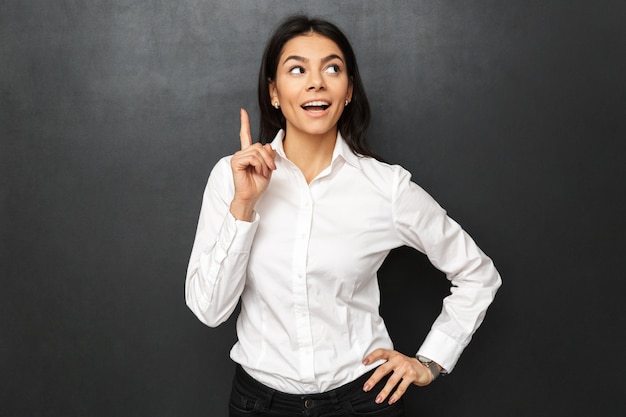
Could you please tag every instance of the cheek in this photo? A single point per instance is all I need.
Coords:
(341, 86)
(286, 88)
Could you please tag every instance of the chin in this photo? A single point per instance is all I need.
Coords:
(320, 129)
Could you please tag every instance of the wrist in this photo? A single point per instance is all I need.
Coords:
(434, 368)
(242, 210)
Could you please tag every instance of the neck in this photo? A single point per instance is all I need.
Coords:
(311, 153)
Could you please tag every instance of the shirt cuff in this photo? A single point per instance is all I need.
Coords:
(442, 349)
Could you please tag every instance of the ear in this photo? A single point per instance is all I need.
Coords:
(273, 92)
(350, 88)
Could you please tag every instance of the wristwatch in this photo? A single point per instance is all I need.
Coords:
(430, 364)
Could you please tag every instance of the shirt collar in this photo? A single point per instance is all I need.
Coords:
(342, 150)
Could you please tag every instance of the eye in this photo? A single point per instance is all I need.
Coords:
(333, 69)
(296, 70)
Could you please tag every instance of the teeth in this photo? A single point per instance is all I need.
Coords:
(316, 104)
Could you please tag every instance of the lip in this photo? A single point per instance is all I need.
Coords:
(319, 102)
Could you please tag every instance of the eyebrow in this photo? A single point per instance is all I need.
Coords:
(303, 59)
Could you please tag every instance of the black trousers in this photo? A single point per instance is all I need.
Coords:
(251, 398)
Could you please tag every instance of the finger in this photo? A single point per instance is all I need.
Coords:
(260, 164)
(254, 160)
(389, 386)
(244, 133)
(269, 154)
(399, 392)
(264, 153)
(382, 369)
(375, 355)
(380, 372)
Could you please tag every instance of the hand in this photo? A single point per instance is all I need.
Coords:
(406, 371)
(252, 168)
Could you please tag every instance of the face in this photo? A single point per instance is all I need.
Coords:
(311, 86)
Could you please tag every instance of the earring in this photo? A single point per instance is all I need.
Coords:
(276, 105)
(347, 102)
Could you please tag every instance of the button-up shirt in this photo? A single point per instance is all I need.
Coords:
(305, 269)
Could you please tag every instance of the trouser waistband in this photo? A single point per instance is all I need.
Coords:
(250, 397)
(334, 394)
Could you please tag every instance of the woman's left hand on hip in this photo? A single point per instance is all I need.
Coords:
(406, 371)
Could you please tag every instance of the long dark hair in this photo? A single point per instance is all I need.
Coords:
(355, 118)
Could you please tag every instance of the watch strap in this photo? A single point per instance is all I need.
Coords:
(430, 364)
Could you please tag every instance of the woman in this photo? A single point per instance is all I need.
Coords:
(297, 226)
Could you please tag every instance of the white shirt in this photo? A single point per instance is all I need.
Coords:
(305, 269)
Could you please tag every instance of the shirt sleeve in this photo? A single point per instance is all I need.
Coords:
(422, 224)
(216, 273)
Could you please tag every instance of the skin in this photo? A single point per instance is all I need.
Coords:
(311, 67)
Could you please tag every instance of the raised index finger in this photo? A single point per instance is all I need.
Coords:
(244, 133)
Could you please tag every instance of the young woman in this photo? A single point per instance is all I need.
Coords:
(297, 226)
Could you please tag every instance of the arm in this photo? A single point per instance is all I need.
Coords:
(422, 224)
(217, 267)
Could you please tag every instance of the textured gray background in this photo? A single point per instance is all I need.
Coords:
(511, 114)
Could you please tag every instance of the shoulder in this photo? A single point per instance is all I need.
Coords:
(398, 184)
(221, 168)
(221, 178)
(382, 173)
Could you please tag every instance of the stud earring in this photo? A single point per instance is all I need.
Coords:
(276, 105)
(347, 102)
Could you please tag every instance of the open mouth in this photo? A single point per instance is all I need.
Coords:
(316, 105)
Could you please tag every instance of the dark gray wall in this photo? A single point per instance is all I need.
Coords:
(512, 114)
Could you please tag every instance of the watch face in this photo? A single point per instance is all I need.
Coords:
(424, 360)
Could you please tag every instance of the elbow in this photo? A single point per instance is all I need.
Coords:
(205, 307)
(205, 313)
(497, 280)
(202, 307)
(211, 304)
(492, 281)
(212, 319)
(212, 322)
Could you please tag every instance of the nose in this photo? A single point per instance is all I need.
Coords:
(315, 81)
